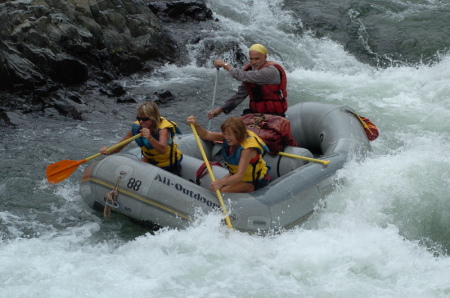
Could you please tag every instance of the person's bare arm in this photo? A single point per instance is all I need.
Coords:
(161, 144)
(103, 150)
(246, 156)
(203, 133)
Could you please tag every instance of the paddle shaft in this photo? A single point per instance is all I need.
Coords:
(325, 162)
(54, 169)
(107, 150)
(211, 174)
(114, 147)
(214, 97)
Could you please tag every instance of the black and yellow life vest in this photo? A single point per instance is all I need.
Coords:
(172, 155)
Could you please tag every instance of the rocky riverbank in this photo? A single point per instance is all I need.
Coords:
(56, 56)
(61, 59)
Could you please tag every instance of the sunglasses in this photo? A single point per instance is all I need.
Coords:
(142, 118)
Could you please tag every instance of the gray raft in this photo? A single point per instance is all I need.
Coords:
(148, 193)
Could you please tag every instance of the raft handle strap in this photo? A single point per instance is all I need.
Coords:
(111, 197)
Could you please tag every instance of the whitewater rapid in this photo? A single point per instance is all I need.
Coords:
(384, 232)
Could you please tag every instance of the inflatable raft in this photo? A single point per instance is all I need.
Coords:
(148, 193)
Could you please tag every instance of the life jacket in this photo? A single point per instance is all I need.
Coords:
(256, 170)
(172, 155)
(268, 99)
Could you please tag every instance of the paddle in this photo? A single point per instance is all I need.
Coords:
(214, 97)
(325, 162)
(211, 174)
(58, 171)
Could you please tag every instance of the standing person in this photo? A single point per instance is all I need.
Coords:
(157, 145)
(263, 81)
(242, 151)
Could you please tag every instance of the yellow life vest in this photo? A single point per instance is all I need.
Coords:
(255, 170)
(172, 156)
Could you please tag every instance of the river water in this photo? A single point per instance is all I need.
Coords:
(385, 231)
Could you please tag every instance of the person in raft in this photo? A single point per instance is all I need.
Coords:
(242, 151)
(157, 145)
(263, 81)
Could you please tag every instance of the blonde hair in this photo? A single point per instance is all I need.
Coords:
(150, 109)
(237, 126)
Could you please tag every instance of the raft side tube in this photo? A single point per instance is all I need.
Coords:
(188, 145)
(325, 128)
(281, 165)
(146, 191)
(289, 199)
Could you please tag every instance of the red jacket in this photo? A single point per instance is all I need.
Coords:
(271, 98)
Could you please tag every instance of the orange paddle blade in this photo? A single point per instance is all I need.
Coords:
(58, 171)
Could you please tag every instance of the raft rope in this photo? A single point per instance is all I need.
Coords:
(111, 197)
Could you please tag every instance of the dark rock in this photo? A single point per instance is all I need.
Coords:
(181, 11)
(14, 118)
(9, 118)
(117, 90)
(163, 96)
(76, 98)
(60, 68)
(94, 116)
(181, 19)
(128, 99)
(53, 53)
(51, 113)
(47, 90)
(66, 109)
(129, 65)
(48, 44)
(16, 73)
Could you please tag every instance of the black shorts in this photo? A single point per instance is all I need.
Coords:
(262, 182)
(174, 169)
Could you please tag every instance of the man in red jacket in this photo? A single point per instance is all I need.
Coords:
(263, 81)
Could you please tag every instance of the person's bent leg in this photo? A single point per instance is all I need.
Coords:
(238, 187)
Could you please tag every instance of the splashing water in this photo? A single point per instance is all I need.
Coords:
(384, 232)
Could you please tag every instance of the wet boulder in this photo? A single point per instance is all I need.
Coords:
(48, 43)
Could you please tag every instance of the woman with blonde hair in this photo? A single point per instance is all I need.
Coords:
(157, 144)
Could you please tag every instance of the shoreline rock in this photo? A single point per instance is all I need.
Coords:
(52, 48)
